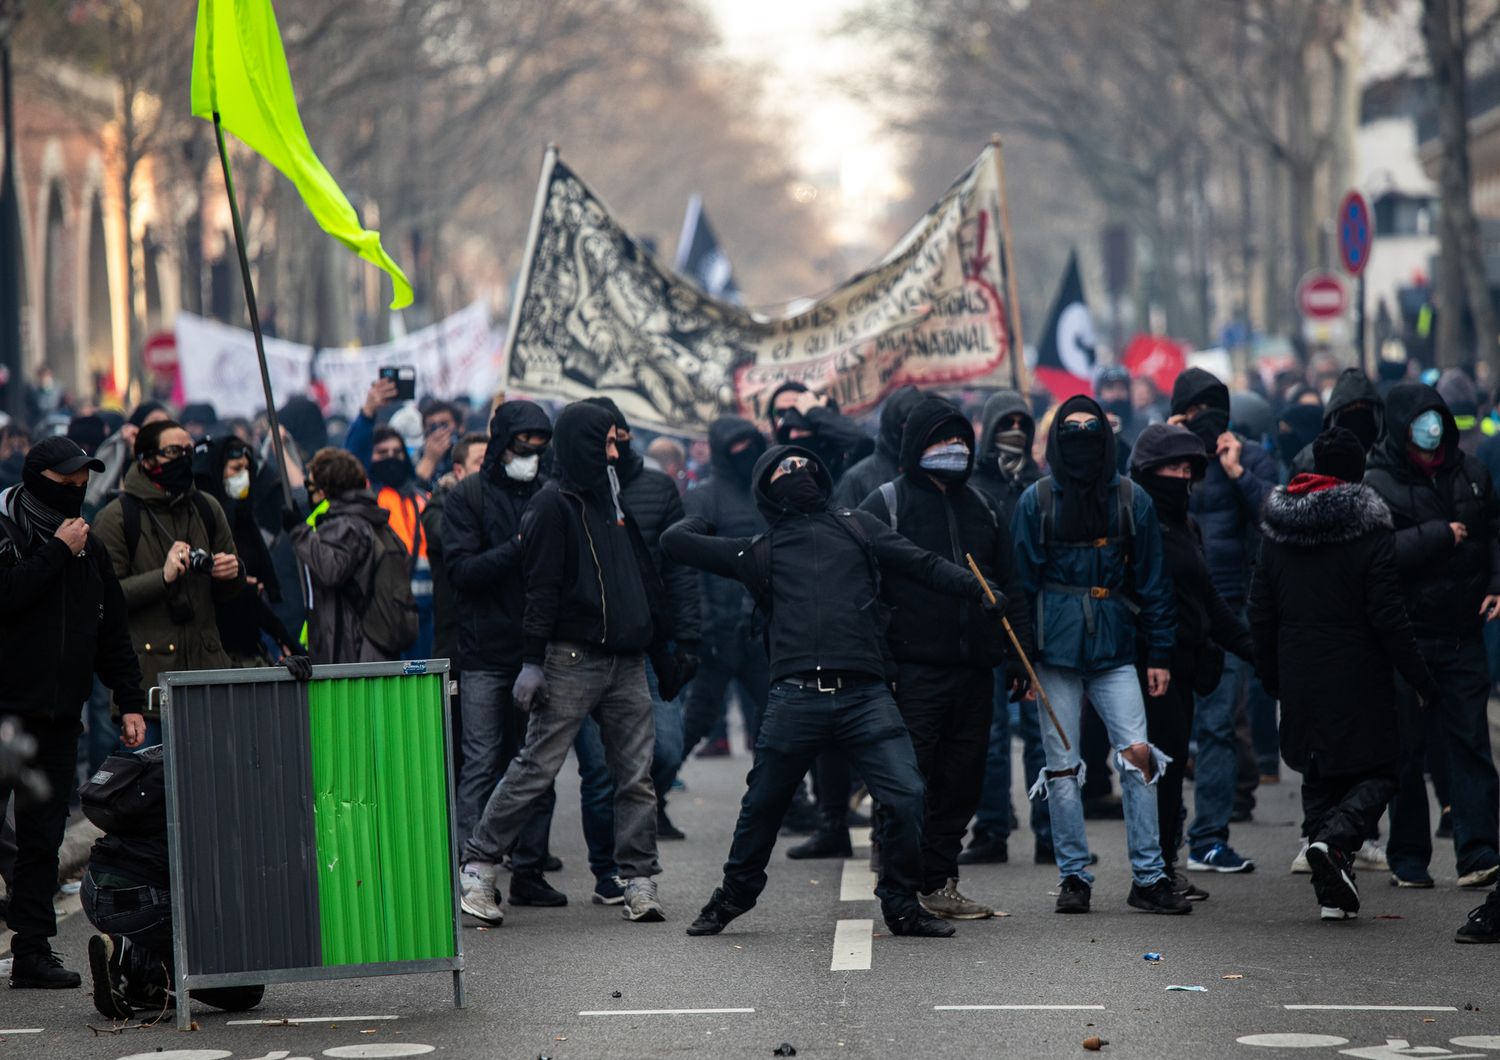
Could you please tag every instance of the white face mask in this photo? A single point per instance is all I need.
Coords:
(237, 485)
(523, 468)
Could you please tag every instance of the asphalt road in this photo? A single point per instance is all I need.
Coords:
(580, 982)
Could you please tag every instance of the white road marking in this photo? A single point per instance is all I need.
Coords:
(859, 837)
(380, 1049)
(307, 1019)
(1017, 1008)
(1477, 1041)
(853, 941)
(23, 1030)
(664, 1011)
(180, 1054)
(1292, 1041)
(858, 884)
(1369, 1008)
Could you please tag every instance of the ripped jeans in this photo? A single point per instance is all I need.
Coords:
(1116, 696)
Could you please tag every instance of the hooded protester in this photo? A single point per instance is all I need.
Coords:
(1296, 428)
(1112, 391)
(482, 552)
(1002, 471)
(586, 627)
(51, 580)
(799, 417)
(946, 654)
(304, 421)
(1167, 462)
(1462, 398)
(1447, 544)
(884, 463)
(816, 574)
(1084, 538)
(393, 478)
(1226, 507)
(1329, 626)
(173, 551)
(225, 469)
(1355, 405)
(116, 454)
(198, 418)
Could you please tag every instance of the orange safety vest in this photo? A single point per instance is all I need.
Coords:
(406, 518)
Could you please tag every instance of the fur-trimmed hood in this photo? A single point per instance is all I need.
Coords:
(1325, 516)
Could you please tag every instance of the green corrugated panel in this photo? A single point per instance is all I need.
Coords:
(381, 814)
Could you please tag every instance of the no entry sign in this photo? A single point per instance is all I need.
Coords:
(1356, 234)
(1321, 296)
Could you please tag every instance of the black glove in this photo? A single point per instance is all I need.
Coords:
(291, 518)
(668, 680)
(688, 661)
(1017, 681)
(995, 606)
(530, 689)
(299, 666)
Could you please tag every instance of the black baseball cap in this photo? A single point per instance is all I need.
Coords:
(60, 454)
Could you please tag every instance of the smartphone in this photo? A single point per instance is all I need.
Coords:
(405, 378)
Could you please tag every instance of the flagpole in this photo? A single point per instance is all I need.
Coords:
(523, 282)
(1012, 291)
(260, 343)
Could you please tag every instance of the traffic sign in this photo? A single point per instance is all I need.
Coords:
(1321, 296)
(1356, 234)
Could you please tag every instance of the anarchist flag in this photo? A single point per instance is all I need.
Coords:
(1065, 355)
(700, 257)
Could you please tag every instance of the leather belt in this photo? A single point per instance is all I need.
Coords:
(826, 682)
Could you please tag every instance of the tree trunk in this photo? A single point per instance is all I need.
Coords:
(1464, 277)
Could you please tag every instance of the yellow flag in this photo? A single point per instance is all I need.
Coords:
(240, 73)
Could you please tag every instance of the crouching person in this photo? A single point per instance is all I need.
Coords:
(1329, 625)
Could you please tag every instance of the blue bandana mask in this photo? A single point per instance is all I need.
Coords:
(951, 457)
(1427, 431)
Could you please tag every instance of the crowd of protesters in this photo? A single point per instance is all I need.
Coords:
(1203, 583)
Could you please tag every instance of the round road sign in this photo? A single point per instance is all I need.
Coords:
(1356, 234)
(1321, 296)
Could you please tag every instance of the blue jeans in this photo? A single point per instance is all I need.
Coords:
(596, 790)
(995, 815)
(1116, 697)
(1216, 769)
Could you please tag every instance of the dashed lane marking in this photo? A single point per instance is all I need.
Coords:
(1017, 1008)
(665, 1011)
(306, 1019)
(858, 883)
(23, 1030)
(1292, 1041)
(853, 941)
(859, 837)
(1369, 1008)
(381, 1049)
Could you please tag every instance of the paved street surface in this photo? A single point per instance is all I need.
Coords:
(806, 968)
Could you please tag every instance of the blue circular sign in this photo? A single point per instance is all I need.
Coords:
(1356, 234)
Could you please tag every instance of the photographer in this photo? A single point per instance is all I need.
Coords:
(53, 581)
(174, 554)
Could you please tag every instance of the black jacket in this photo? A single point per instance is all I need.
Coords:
(884, 463)
(588, 577)
(825, 612)
(1329, 624)
(929, 626)
(652, 500)
(725, 503)
(1351, 388)
(62, 620)
(481, 547)
(444, 600)
(1443, 582)
(989, 478)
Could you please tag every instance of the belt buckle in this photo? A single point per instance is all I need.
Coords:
(837, 684)
(1098, 593)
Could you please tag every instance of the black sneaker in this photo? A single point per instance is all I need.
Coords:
(104, 972)
(532, 888)
(1159, 897)
(1483, 924)
(609, 890)
(1186, 887)
(823, 845)
(1333, 878)
(985, 849)
(42, 971)
(715, 916)
(919, 925)
(1073, 895)
(802, 816)
(665, 829)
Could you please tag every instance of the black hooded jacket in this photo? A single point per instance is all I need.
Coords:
(588, 577)
(928, 626)
(726, 504)
(989, 478)
(481, 546)
(824, 608)
(884, 463)
(1351, 388)
(1443, 581)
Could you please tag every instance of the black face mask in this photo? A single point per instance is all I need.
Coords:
(65, 500)
(1082, 455)
(1288, 445)
(1208, 425)
(742, 464)
(1120, 407)
(1170, 495)
(623, 448)
(1361, 423)
(393, 471)
(800, 491)
(175, 476)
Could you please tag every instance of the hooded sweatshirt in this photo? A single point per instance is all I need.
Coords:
(585, 583)
(1443, 581)
(989, 477)
(1353, 387)
(1462, 398)
(339, 556)
(726, 503)
(884, 463)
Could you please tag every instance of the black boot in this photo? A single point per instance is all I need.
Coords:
(42, 970)
(919, 924)
(665, 829)
(104, 970)
(532, 888)
(802, 817)
(831, 840)
(985, 848)
(716, 915)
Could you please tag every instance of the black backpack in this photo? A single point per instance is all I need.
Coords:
(385, 604)
(127, 796)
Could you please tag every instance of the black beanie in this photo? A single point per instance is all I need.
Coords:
(621, 423)
(1338, 454)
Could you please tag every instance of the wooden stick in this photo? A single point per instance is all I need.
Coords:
(1015, 641)
(1012, 287)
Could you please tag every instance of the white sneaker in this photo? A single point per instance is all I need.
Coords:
(1480, 877)
(1333, 913)
(641, 903)
(1372, 856)
(476, 882)
(1300, 867)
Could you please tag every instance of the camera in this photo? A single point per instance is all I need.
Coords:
(200, 561)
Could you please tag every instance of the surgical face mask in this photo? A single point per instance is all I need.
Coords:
(1427, 431)
(952, 456)
(238, 484)
(523, 468)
